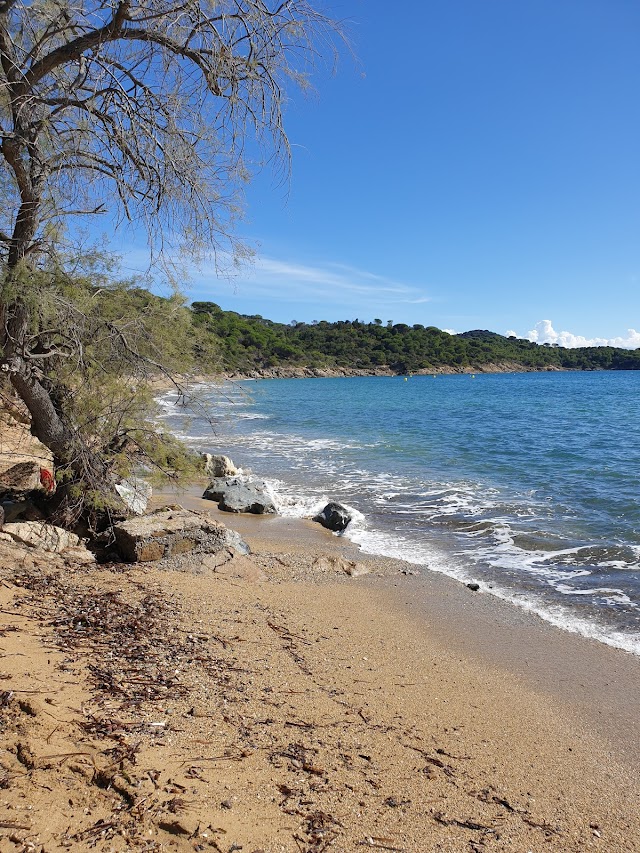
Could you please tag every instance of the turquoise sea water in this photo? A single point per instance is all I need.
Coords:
(527, 483)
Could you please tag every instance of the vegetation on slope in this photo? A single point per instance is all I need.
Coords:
(248, 343)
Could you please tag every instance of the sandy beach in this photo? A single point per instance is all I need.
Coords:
(277, 704)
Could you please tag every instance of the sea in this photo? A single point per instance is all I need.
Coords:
(527, 484)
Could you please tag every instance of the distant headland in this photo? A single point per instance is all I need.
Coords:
(252, 346)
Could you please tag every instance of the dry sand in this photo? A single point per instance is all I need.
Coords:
(276, 704)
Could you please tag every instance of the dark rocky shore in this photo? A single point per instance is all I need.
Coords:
(294, 372)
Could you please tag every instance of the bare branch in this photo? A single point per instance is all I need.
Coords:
(173, 94)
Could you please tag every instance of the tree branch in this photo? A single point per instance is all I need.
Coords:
(72, 50)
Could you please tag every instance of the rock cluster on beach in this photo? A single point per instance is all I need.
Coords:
(236, 492)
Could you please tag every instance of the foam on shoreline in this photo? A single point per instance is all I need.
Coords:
(602, 680)
(446, 523)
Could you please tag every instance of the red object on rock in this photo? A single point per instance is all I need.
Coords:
(47, 480)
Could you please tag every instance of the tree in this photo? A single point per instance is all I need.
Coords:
(151, 105)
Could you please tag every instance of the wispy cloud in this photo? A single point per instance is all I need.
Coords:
(305, 282)
(268, 278)
(544, 333)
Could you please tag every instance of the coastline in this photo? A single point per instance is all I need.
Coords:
(294, 372)
(162, 384)
(274, 703)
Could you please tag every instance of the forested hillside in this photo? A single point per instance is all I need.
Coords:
(248, 343)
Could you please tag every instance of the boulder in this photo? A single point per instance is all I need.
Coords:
(20, 478)
(45, 537)
(240, 494)
(218, 466)
(334, 517)
(172, 531)
(135, 493)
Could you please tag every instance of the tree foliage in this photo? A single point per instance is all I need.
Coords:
(248, 343)
(95, 344)
(151, 108)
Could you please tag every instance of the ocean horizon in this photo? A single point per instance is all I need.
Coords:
(527, 484)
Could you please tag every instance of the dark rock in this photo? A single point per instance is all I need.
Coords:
(216, 488)
(240, 494)
(334, 517)
(474, 587)
(1, 516)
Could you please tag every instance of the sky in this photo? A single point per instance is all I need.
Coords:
(475, 166)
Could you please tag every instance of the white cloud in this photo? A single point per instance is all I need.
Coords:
(544, 333)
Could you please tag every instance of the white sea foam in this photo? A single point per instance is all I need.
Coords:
(616, 596)
(429, 558)
(251, 416)
(566, 619)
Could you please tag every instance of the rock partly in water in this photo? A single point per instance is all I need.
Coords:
(218, 466)
(173, 531)
(45, 537)
(474, 587)
(334, 517)
(240, 494)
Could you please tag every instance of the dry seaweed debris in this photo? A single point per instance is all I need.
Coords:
(133, 657)
(125, 645)
(332, 778)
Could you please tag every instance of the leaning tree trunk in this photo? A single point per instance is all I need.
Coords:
(87, 491)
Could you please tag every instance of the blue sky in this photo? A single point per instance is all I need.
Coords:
(477, 166)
